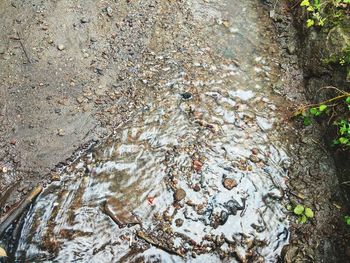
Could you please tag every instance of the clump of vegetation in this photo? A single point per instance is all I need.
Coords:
(309, 112)
(347, 220)
(322, 11)
(303, 213)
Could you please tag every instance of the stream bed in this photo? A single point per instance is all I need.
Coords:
(198, 173)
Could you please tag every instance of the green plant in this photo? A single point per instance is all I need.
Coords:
(303, 213)
(320, 11)
(308, 112)
(343, 132)
(347, 220)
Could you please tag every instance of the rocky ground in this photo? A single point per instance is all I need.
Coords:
(71, 76)
(67, 81)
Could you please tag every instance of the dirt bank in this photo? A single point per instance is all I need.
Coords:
(309, 48)
(66, 81)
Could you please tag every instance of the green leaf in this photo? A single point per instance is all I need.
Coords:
(309, 213)
(322, 107)
(310, 8)
(310, 22)
(2, 252)
(307, 121)
(347, 100)
(298, 210)
(343, 140)
(305, 3)
(347, 219)
(314, 111)
(289, 208)
(335, 142)
(302, 219)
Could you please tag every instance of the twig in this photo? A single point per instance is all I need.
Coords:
(302, 108)
(24, 48)
(142, 235)
(19, 210)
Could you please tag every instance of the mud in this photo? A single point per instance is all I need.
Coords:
(202, 158)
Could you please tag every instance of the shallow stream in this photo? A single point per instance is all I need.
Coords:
(198, 174)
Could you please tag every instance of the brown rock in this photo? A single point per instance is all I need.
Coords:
(254, 158)
(229, 183)
(197, 165)
(255, 151)
(179, 222)
(179, 195)
(196, 187)
(119, 212)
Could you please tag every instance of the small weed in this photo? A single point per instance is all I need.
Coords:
(320, 11)
(308, 113)
(303, 213)
(347, 220)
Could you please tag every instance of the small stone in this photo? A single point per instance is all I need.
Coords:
(61, 132)
(13, 141)
(85, 20)
(196, 187)
(254, 158)
(80, 100)
(229, 183)
(4, 169)
(291, 48)
(61, 47)
(179, 222)
(197, 165)
(109, 11)
(255, 151)
(55, 177)
(179, 195)
(186, 95)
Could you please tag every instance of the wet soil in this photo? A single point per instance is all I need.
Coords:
(201, 158)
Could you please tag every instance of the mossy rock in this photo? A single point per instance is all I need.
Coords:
(338, 39)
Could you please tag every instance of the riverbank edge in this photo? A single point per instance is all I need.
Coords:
(314, 241)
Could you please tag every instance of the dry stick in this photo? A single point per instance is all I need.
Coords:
(323, 102)
(24, 48)
(142, 235)
(19, 210)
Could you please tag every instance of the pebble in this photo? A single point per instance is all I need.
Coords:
(109, 11)
(229, 183)
(60, 47)
(255, 151)
(179, 195)
(197, 165)
(254, 158)
(179, 222)
(186, 95)
(85, 20)
(80, 100)
(196, 187)
(55, 177)
(61, 132)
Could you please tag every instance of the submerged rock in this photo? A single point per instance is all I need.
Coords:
(119, 212)
(179, 195)
(229, 183)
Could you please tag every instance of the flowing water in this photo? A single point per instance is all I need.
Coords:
(198, 173)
